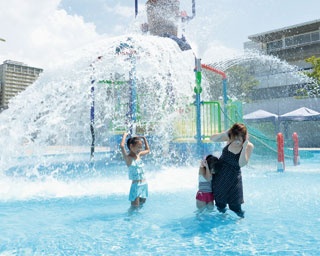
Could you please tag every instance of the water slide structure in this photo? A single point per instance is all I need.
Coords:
(200, 119)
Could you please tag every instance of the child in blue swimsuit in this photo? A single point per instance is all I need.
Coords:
(139, 187)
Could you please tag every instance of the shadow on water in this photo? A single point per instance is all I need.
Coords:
(201, 223)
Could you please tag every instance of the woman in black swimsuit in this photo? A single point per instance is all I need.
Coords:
(227, 183)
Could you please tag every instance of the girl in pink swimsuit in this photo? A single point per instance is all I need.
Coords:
(205, 197)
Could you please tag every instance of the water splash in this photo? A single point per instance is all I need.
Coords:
(55, 109)
(263, 66)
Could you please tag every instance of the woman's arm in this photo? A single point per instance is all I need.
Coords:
(247, 149)
(146, 147)
(223, 136)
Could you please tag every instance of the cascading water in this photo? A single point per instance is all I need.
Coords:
(55, 111)
(274, 79)
(269, 70)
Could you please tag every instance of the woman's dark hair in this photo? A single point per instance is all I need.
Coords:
(238, 129)
(132, 141)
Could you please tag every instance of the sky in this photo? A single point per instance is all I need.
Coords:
(38, 32)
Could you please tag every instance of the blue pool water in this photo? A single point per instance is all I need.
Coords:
(81, 209)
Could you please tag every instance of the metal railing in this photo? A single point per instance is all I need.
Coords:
(185, 125)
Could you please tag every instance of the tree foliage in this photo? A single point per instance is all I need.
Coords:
(315, 74)
(312, 89)
(239, 84)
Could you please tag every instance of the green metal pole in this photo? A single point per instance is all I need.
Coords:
(225, 102)
(198, 91)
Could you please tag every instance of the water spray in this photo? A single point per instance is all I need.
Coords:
(136, 8)
(124, 49)
(93, 80)
(198, 102)
(92, 120)
(133, 96)
(224, 90)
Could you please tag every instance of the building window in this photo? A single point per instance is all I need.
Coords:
(315, 36)
(302, 39)
(289, 41)
(274, 45)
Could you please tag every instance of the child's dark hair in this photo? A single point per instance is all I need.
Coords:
(132, 141)
(213, 163)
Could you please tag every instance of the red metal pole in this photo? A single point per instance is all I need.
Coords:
(280, 142)
(221, 73)
(296, 159)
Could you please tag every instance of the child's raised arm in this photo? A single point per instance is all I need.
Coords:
(204, 170)
(146, 146)
(126, 157)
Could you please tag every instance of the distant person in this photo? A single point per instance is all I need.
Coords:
(227, 183)
(205, 197)
(163, 17)
(139, 187)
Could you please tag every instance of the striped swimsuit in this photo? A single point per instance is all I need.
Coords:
(204, 193)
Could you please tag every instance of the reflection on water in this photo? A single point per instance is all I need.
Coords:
(88, 215)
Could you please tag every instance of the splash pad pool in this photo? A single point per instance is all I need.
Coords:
(67, 204)
(82, 210)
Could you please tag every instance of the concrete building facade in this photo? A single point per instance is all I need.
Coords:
(293, 44)
(14, 78)
(277, 92)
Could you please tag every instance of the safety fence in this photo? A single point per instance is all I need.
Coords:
(210, 119)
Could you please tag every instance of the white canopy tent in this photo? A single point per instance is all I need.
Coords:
(300, 114)
(260, 115)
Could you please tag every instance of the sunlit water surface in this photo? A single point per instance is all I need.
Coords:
(67, 205)
(81, 209)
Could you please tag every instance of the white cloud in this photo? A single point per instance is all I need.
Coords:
(121, 10)
(37, 32)
(124, 11)
(216, 52)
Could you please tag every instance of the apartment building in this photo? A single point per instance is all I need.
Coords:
(292, 44)
(277, 90)
(14, 78)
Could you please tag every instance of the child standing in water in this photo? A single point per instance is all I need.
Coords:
(205, 197)
(139, 187)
